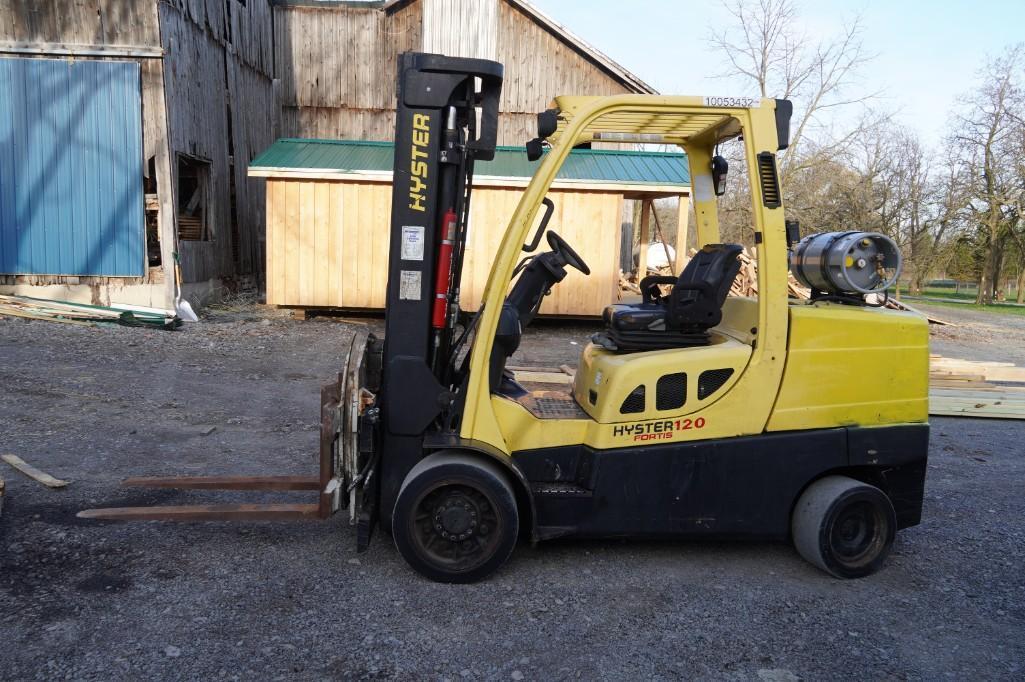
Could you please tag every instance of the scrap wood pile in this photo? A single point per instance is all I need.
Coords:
(968, 388)
(84, 314)
(746, 284)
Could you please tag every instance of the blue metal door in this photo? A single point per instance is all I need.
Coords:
(71, 168)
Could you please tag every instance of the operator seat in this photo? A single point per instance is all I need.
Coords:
(683, 318)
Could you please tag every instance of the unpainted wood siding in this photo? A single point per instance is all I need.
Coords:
(97, 22)
(337, 65)
(337, 68)
(461, 28)
(221, 108)
(327, 244)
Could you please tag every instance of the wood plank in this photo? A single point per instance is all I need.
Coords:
(682, 231)
(544, 377)
(291, 236)
(307, 241)
(32, 472)
(350, 242)
(642, 265)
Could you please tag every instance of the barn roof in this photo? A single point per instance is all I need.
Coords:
(359, 160)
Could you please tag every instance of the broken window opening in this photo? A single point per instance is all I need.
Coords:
(193, 199)
(152, 208)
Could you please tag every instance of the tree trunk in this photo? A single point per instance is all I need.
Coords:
(1021, 285)
(998, 267)
(988, 274)
(917, 282)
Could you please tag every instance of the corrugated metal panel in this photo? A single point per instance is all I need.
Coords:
(71, 168)
(612, 166)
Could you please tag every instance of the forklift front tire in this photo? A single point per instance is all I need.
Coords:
(455, 519)
(844, 526)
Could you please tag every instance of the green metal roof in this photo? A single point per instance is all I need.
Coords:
(594, 165)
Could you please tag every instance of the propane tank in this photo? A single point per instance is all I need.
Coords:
(846, 262)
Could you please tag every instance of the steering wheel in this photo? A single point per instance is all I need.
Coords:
(571, 257)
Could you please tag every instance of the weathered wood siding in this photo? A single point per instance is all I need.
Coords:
(337, 65)
(461, 28)
(327, 244)
(221, 107)
(337, 68)
(539, 66)
(97, 22)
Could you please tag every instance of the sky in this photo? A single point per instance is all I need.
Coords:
(927, 53)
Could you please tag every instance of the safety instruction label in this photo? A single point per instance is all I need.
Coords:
(412, 242)
(409, 285)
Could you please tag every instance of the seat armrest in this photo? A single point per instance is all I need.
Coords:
(651, 281)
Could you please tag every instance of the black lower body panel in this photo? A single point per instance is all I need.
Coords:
(743, 487)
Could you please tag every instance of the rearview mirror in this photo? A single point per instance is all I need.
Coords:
(720, 167)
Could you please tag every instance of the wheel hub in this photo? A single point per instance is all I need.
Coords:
(456, 518)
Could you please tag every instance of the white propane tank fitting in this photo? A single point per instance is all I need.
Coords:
(846, 262)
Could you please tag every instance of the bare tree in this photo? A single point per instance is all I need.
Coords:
(763, 45)
(988, 134)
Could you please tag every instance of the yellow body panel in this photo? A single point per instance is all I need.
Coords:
(853, 366)
(605, 379)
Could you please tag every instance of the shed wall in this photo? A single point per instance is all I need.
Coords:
(327, 244)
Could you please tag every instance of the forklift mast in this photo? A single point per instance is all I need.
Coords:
(437, 140)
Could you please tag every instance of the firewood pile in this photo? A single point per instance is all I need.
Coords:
(745, 283)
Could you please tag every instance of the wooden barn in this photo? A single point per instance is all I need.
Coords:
(125, 130)
(328, 205)
(337, 61)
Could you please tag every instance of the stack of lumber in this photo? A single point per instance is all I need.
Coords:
(83, 314)
(968, 388)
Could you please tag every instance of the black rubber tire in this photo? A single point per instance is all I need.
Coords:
(844, 526)
(458, 472)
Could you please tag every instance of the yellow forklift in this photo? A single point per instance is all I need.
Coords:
(691, 413)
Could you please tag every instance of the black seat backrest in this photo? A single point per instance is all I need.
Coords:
(697, 297)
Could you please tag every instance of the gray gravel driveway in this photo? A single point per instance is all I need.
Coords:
(93, 600)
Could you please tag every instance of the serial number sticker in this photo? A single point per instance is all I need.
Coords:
(733, 102)
(409, 285)
(663, 429)
(412, 242)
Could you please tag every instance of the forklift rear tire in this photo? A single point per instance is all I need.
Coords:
(455, 519)
(844, 526)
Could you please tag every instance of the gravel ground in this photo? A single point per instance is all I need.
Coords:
(93, 600)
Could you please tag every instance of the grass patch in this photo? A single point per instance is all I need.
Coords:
(995, 309)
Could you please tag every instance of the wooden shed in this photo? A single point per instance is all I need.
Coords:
(328, 212)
